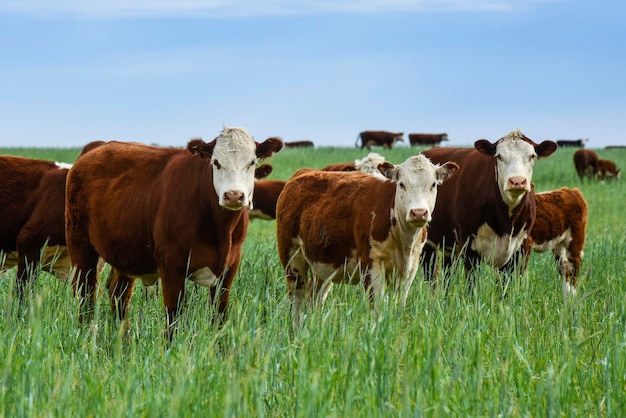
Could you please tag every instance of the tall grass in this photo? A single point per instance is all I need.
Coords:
(455, 354)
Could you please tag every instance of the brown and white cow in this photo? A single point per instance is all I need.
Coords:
(149, 211)
(586, 163)
(299, 144)
(607, 170)
(330, 230)
(487, 209)
(379, 138)
(266, 194)
(561, 227)
(368, 164)
(32, 232)
(433, 140)
(579, 143)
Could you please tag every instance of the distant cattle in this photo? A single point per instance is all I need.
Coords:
(149, 211)
(378, 138)
(487, 209)
(349, 227)
(433, 140)
(586, 163)
(266, 194)
(299, 144)
(561, 227)
(607, 170)
(580, 143)
(615, 147)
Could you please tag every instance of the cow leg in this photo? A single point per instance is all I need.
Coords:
(27, 266)
(120, 287)
(297, 273)
(85, 281)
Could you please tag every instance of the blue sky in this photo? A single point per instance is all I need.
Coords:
(166, 71)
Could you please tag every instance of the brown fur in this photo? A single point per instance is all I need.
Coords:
(379, 138)
(340, 167)
(299, 144)
(586, 163)
(427, 139)
(264, 200)
(143, 208)
(557, 212)
(607, 170)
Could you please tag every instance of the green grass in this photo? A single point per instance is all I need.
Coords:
(461, 354)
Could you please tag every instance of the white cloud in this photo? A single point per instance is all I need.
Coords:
(237, 8)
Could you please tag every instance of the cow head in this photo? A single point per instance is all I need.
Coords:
(416, 187)
(233, 156)
(369, 164)
(515, 156)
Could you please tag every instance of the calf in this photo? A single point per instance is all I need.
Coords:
(486, 211)
(586, 163)
(561, 227)
(330, 230)
(150, 211)
(607, 170)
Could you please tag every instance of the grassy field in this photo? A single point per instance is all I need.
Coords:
(461, 354)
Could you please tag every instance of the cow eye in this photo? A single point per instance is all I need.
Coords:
(433, 186)
(252, 164)
(402, 186)
(217, 164)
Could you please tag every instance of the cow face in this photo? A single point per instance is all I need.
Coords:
(515, 156)
(234, 155)
(369, 164)
(416, 187)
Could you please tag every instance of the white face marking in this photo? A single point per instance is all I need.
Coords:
(496, 250)
(234, 161)
(515, 159)
(369, 165)
(204, 277)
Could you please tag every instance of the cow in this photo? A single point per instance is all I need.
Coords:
(378, 138)
(586, 163)
(433, 140)
(607, 170)
(299, 144)
(368, 164)
(487, 209)
(561, 227)
(579, 143)
(266, 194)
(32, 232)
(169, 212)
(330, 230)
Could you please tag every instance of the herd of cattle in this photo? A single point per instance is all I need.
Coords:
(176, 214)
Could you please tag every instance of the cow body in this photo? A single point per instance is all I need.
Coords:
(607, 170)
(561, 227)
(150, 211)
(586, 163)
(486, 211)
(299, 144)
(266, 194)
(330, 230)
(32, 232)
(433, 140)
(379, 138)
(579, 143)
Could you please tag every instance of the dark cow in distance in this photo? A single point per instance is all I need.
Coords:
(330, 230)
(433, 140)
(561, 227)
(579, 143)
(486, 211)
(586, 163)
(378, 138)
(150, 211)
(607, 170)
(299, 144)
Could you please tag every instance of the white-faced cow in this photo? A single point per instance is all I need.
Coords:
(331, 230)
(368, 164)
(149, 211)
(433, 140)
(561, 227)
(607, 170)
(586, 163)
(487, 209)
(378, 138)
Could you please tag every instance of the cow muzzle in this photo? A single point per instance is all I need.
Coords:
(234, 199)
(517, 186)
(419, 216)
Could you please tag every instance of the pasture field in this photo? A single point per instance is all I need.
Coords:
(458, 354)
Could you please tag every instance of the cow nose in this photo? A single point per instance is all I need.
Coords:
(233, 198)
(517, 183)
(419, 214)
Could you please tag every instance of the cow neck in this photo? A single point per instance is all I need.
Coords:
(505, 220)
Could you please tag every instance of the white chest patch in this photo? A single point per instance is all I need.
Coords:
(496, 250)
(204, 277)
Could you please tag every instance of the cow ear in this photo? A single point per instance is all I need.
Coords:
(546, 148)
(263, 171)
(268, 147)
(485, 147)
(446, 171)
(201, 148)
(388, 170)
